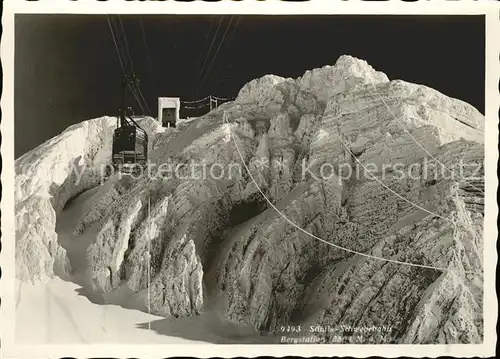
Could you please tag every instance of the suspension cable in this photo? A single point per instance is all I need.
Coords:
(148, 56)
(116, 45)
(127, 49)
(123, 66)
(135, 85)
(215, 56)
(211, 46)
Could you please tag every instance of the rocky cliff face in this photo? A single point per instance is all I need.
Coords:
(46, 179)
(341, 154)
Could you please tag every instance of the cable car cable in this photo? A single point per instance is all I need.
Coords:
(211, 46)
(120, 45)
(122, 63)
(127, 49)
(120, 57)
(137, 87)
(215, 56)
(209, 28)
(148, 56)
(127, 154)
(238, 19)
(142, 97)
(116, 45)
(204, 47)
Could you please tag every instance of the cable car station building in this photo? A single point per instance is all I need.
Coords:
(168, 111)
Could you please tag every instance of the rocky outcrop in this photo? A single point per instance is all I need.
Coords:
(46, 179)
(354, 168)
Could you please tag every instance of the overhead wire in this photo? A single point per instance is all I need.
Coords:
(235, 27)
(134, 89)
(121, 56)
(211, 46)
(143, 99)
(209, 28)
(135, 85)
(195, 107)
(223, 98)
(148, 56)
(215, 56)
(233, 32)
(116, 45)
(127, 49)
(204, 47)
(126, 62)
(202, 103)
(196, 101)
(122, 64)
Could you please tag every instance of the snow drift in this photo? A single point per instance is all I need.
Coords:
(197, 237)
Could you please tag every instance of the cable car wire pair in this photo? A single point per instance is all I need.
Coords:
(205, 77)
(130, 141)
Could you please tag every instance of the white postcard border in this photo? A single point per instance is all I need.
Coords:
(492, 97)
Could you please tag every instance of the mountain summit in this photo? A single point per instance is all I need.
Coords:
(335, 201)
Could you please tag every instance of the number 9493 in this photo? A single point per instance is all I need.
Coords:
(290, 328)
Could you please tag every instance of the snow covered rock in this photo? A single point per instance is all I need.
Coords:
(46, 178)
(357, 169)
(261, 91)
(347, 74)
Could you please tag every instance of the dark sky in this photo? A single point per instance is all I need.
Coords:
(67, 69)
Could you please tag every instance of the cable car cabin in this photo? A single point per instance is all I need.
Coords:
(130, 148)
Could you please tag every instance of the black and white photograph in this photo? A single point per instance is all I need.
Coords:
(250, 179)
